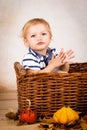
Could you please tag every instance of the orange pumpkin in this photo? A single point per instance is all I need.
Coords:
(28, 116)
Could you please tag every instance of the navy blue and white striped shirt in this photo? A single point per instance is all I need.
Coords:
(36, 61)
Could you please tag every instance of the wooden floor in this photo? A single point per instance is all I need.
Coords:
(8, 101)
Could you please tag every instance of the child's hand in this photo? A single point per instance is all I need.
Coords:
(69, 55)
(59, 60)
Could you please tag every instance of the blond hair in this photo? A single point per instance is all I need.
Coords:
(32, 22)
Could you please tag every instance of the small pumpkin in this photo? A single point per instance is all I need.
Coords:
(28, 115)
(65, 115)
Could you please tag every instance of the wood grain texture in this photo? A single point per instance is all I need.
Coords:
(8, 101)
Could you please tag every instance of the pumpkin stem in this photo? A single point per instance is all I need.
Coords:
(29, 103)
(66, 105)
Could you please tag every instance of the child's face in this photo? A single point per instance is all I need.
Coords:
(38, 38)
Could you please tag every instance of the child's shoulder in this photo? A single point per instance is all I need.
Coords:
(29, 55)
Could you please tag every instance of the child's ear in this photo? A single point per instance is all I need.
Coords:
(26, 42)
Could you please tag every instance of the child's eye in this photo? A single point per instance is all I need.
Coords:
(44, 34)
(32, 36)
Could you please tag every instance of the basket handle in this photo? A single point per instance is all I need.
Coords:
(20, 71)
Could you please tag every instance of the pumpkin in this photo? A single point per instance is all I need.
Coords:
(65, 115)
(28, 115)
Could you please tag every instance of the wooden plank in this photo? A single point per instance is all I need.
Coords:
(9, 95)
(7, 104)
(8, 101)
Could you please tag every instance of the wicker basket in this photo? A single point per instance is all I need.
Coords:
(48, 91)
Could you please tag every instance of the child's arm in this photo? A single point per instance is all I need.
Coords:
(65, 67)
(60, 63)
(54, 64)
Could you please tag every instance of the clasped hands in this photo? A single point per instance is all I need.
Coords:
(62, 58)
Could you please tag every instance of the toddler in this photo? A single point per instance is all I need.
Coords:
(40, 57)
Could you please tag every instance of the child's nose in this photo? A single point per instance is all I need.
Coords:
(39, 37)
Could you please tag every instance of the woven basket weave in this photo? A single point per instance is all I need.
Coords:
(48, 91)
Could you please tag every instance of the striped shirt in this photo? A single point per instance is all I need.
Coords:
(36, 61)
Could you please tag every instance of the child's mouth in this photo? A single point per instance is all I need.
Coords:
(40, 43)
